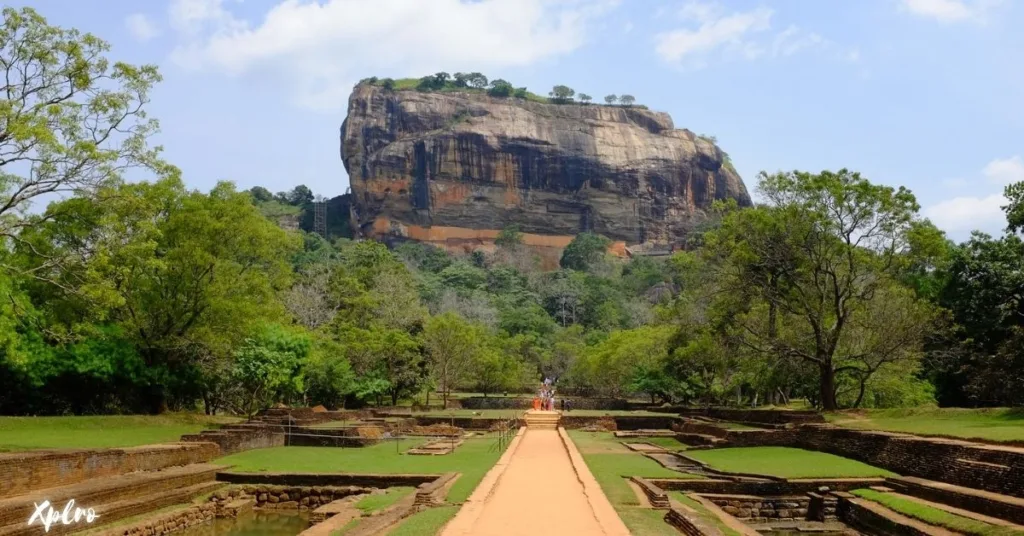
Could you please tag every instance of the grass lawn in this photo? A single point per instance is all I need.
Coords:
(785, 462)
(473, 459)
(668, 443)
(934, 516)
(375, 502)
(612, 464)
(425, 523)
(704, 513)
(25, 433)
(990, 424)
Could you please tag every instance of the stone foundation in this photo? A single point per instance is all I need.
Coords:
(757, 509)
(174, 521)
(22, 472)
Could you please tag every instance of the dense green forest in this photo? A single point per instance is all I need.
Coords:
(143, 296)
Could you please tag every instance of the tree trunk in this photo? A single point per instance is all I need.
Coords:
(828, 388)
(860, 395)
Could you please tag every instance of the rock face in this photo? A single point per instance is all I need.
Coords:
(454, 169)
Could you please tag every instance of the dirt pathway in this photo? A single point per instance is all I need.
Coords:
(538, 493)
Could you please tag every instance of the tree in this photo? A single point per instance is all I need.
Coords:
(510, 237)
(388, 84)
(627, 100)
(826, 246)
(73, 121)
(500, 88)
(460, 80)
(562, 94)
(521, 93)
(1015, 208)
(177, 270)
(300, 196)
(585, 250)
(611, 99)
(453, 345)
(261, 194)
(585, 99)
(267, 366)
(476, 80)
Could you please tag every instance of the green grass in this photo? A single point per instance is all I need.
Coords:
(348, 526)
(645, 521)
(425, 523)
(669, 443)
(933, 516)
(994, 424)
(473, 459)
(785, 462)
(707, 515)
(25, 433)
(612, 464)
(372, 503)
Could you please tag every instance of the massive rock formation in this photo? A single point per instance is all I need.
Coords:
(455, 168)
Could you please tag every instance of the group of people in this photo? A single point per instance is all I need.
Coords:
(545, 400)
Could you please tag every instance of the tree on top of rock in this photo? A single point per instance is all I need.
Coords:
(627, 100)
(560, 94)
(585, 99)
(500, 88)
(611, 99)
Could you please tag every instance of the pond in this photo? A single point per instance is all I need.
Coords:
(258, 523)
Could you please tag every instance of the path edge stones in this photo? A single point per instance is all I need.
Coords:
(465, 519)
(602, 508)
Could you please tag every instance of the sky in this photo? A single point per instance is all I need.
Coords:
(927, 94)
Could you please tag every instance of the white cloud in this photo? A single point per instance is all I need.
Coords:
(321, 47)
(141, 27)
(962, 214)
(710, 30)
(714, 30)
(950, 11)
(1005, 171)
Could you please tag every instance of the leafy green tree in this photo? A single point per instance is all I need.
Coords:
(388, 84)
(561, 94)
(327, 375)
(267, 367)
(301, 195)
(73, 121)
(476, 80)
(818, 255)
(500, 88)
(585, 99)
(510, 237)
(521, 93)
(585, 250)
(627, 100)
(453, 345)
(261, 194)
(611, 99)
(1015, 208)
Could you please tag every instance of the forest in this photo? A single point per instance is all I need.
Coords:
(129, 296)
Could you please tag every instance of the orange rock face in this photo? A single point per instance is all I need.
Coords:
(453, 169)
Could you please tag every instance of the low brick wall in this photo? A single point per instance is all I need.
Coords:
(693, 426)
(862, 516)
(433, 493)
(174, 521)
(525, 402)
(22, 472)
(753, 416)
(1001, 506)
(655, 495)
(690, 525)
(239, 438)
(762, 509)
(327, 479)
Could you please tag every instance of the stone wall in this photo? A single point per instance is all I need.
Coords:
(693, 426)
(1003, 507)
(761, 509)
(875, 520)
(754, 416)
(289, 497)
(974, 465)
(22, 472)
(174, 521)
(690, 525)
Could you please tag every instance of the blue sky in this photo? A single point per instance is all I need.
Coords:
(923, 93)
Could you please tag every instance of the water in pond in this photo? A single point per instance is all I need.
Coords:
(258, 523)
